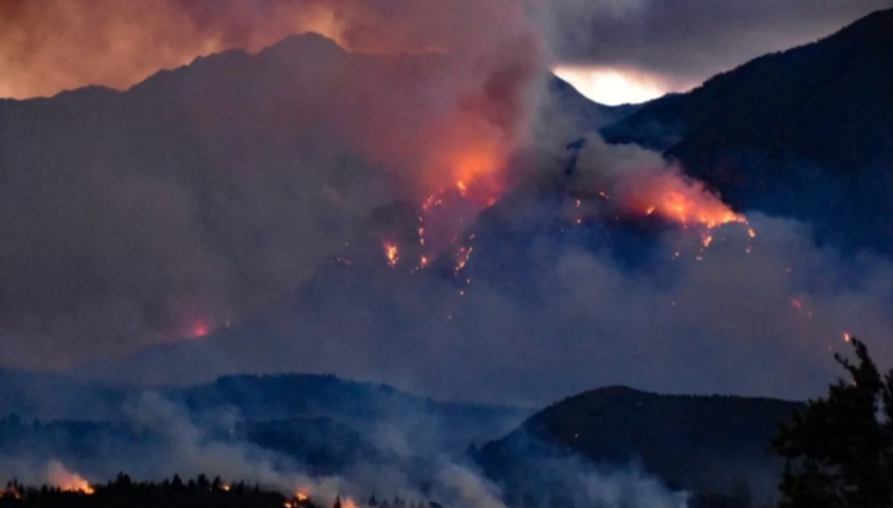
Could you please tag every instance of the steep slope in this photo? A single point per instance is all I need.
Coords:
(693, 442)
(584, 113)
(806, 133)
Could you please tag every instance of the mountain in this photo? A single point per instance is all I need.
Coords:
(805, 133)
(373, 410)
(209, 191)
(701, 443)
(586, 114)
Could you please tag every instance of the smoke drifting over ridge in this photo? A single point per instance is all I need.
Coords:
(212, 191)
(51, 46)
(208, 193)
(181, 444)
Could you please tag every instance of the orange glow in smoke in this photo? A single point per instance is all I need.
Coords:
(67, 480)
(199, 330)
(677, 198)
(694, 209)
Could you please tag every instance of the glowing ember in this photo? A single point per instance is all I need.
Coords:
(392, 254)
(423, 262)
(462, 257)
(66, 480)
(751, 233)
(199, 329)
(708, 240)
(434, 200)
(463, 189)
(847, 337)
(12, 492)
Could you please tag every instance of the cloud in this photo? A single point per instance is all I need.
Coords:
(684, 42)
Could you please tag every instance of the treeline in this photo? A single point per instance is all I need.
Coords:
(200, 492)
(125, 493)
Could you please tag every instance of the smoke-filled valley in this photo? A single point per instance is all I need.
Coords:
(208, 212)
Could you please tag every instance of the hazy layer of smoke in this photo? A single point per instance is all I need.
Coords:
(685, 42)
(49, 46)
(187, 449)
(547, 314)
(206, 194)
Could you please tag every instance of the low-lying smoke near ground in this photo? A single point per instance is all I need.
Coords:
(171, 442)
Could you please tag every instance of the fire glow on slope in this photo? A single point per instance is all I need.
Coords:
(677, 198)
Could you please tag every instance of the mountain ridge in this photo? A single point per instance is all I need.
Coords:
(805, 133)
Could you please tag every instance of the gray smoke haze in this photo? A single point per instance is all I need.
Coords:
(684, 42)
(209, 193)
(552, 310)
(187, 448)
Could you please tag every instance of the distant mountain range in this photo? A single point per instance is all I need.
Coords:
(804, 133)
(427, 425)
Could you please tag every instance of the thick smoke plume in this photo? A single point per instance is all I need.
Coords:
(206, 194)
(49, 46)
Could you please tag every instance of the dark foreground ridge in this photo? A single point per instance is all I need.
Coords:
(697, 443)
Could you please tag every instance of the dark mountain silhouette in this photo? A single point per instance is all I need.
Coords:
(806, 133)
(584, 113)
(321, 414)
(704, 443)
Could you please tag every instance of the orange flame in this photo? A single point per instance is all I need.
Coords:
(678, 198)
(66, 480)
(392, 253)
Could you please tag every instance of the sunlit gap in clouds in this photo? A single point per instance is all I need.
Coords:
(611, 86)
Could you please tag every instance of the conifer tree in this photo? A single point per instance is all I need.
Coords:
(839, 452)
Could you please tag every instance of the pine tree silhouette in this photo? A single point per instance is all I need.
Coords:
(839, 451)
